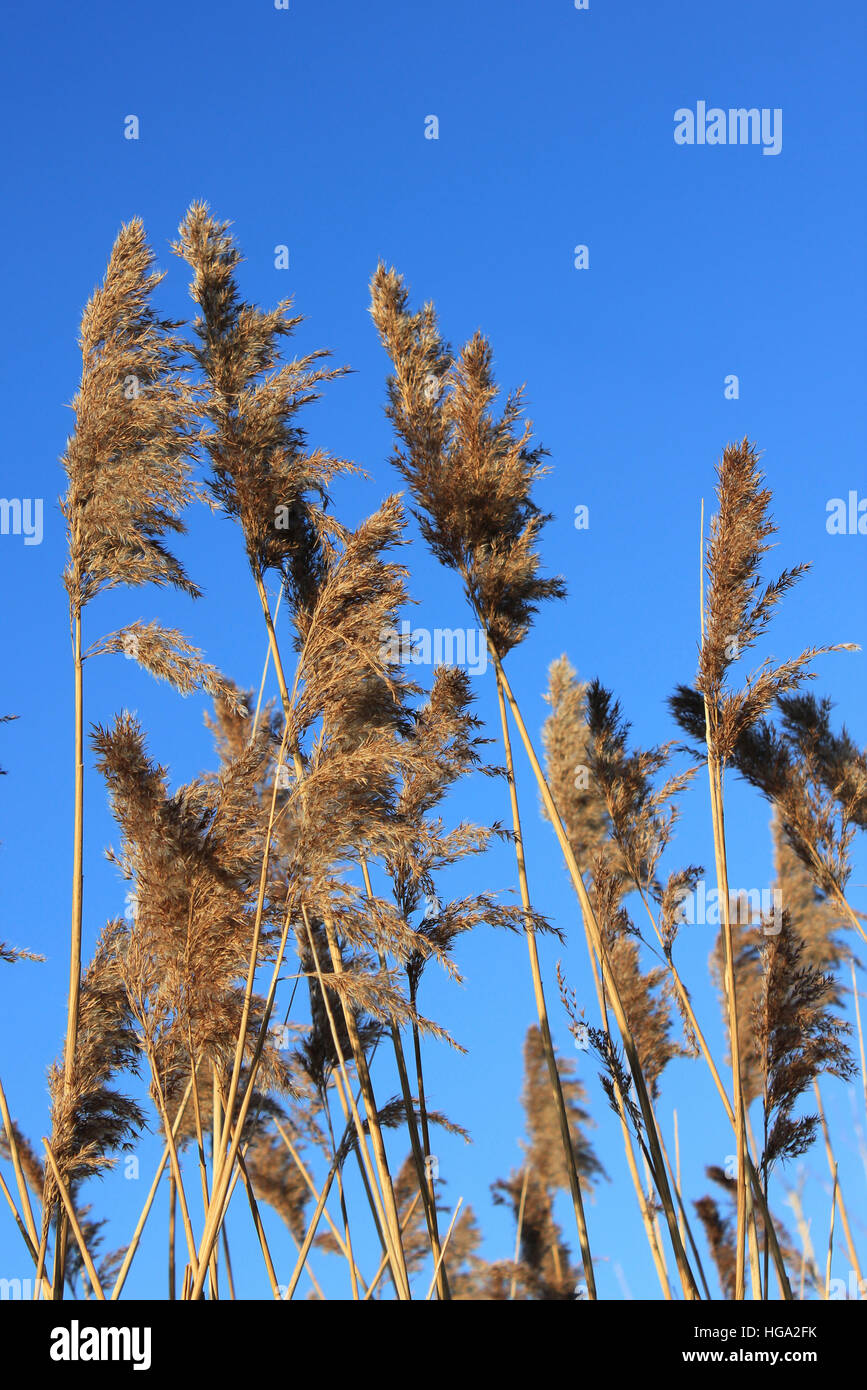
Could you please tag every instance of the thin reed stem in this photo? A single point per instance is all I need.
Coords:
(596, 945)
(73, 1221)
(542, 1009)
(34, 1253)
(145, 1211)
(684, 1222)
(173, 1202)
(833, 1168)
(834, 1194)
(21, 1181)
(381, 1267)
(520, 1231)
(173, 1154)
(344, 1244)
(76, 925)
(433, 1282)
(391, 1220)
(77, 858)
(677, 1165)
(731, 1003)
(350, 1109)
(425, 1181)
(855, 996)
(311, 1232)
(260, 1229)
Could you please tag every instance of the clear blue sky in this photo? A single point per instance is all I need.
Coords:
(556, 126)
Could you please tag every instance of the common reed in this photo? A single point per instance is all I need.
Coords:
(543, 1267)
(735, 614)
(129, 476)
(263, 1005)
(129, 481)
(620, 825)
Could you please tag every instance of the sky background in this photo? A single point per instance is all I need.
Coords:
(306, 127)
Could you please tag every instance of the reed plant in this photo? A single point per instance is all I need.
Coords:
(260, 1005)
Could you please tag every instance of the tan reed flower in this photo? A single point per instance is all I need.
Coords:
(471, 471)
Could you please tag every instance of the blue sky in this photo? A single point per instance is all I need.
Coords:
(306, 127)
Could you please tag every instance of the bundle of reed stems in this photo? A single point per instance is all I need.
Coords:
(312, 860)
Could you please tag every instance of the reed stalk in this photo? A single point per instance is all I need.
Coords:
(596, 946)
(542, 1010)
(833, 1169)
(73, 1222)
(390, 1214)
